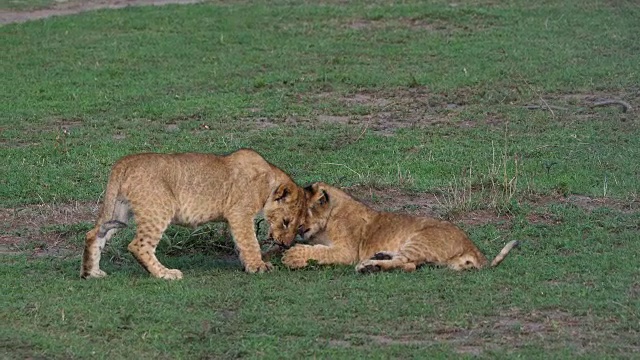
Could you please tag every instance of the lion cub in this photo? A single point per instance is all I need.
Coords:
(346, 231)
(192, 189)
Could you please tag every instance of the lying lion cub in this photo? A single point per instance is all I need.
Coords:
(346, 231)
(192, 189)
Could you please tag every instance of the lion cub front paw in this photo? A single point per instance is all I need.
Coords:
(295, 257)
(260, 267)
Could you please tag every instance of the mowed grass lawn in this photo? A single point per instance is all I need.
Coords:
(413, 106)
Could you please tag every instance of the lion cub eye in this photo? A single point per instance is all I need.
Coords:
(285, 223)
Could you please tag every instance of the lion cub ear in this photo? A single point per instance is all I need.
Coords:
(316, 194)
(324, 198)
(281, 192)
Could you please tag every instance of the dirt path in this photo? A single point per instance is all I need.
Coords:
(75, 7)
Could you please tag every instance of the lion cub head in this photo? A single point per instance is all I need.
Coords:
(318, 210)
(284, 210)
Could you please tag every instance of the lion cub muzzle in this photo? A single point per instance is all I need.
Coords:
(282, 244)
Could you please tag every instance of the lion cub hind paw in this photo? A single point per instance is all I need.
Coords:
(93, 274)
(382, 256)
(170, 274)
(367, 268)
(258, 268)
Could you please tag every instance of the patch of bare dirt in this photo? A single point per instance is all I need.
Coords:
(68, 124)
(76, 6)
(543, 218)
(393, 199)
(550, 327)
(433, 205)
(400, 340)
(31, 225)
(363, 340)
(420, 204)
(339, 343)
(413, 108)
(634, 290)
(482, 217)
(17, 143)
(424, 24)
(584, 106)
(517, 328)
(387, 111)
(588, 203)
(589, 99)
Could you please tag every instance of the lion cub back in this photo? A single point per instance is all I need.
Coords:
(422, 240)
(189, 185)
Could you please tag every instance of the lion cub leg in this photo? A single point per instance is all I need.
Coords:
(411, 254)
(385, 261)
(143, 246)
(97, 238)
(91, 255)
(244, 235)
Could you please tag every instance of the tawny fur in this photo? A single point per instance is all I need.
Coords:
(191, 189)
(342, 230)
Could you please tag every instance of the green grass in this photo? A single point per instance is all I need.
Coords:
(25, 5)
(81, 91)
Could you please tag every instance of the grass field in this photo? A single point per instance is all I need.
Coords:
(412, 106)
(13, 5)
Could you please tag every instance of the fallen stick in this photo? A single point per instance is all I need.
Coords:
(625, 105)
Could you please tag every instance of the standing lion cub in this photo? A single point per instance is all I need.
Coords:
(192, 189)
(346, 231)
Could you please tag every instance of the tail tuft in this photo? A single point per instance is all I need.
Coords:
(504, 252)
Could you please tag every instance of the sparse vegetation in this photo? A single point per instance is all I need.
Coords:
(493, 190)
(478, 112)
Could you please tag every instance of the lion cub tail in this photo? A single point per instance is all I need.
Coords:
(110, 225)
(114, 205)
(504, 252)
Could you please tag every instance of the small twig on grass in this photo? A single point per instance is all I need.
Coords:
(548, 107)
(545, 107)
(366, 126)
(625, 105)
